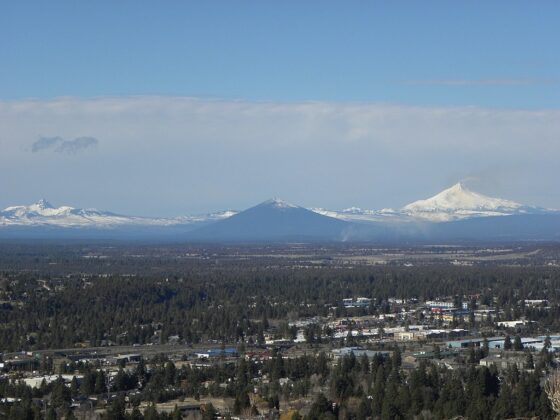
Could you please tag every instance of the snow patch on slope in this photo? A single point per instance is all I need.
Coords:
(278, 203)
(356, 214)
(42, 213)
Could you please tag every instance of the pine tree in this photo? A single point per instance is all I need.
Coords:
(390, 408)
(485, 347)
(74, 388)
(51, 413)
(529, 362)
(378, 392)
(151, 413)
(99, 382)
(517, 344)
(507, 343)
(503, 408)
(170, 373)
(364, 409)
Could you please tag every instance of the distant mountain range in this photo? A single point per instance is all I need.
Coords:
(456, 213)
(454, 203)
(42, 213)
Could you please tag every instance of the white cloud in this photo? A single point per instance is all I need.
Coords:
(482, 82)
(177, 154)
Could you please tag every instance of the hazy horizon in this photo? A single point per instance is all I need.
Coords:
(216, 106)
(464, 183)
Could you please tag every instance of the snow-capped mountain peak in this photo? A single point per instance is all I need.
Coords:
(459, 197)
(454, 203)
(42, 204)
(41, 208)
(278, 203)
(459, 202)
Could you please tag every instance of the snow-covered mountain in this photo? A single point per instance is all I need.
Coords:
(275, 217)
(459, 202)
(42, 213)
(454, 203)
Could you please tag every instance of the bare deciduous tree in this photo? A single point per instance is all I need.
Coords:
(552, 389)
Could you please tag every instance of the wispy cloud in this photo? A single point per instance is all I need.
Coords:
(481, 82)
(59, 145)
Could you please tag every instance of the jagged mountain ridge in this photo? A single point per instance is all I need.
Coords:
(42, 213)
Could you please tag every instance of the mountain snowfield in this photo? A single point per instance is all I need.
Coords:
(42, 213)
(358, 215)
(458, 202)
(455, 203)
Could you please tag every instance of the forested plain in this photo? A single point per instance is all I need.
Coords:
(229, 304)
(60, 298)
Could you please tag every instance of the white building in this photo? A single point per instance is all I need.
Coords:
(360, 302)
(440, 304)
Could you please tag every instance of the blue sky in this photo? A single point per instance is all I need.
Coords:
(398, 52)
(416, 96)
